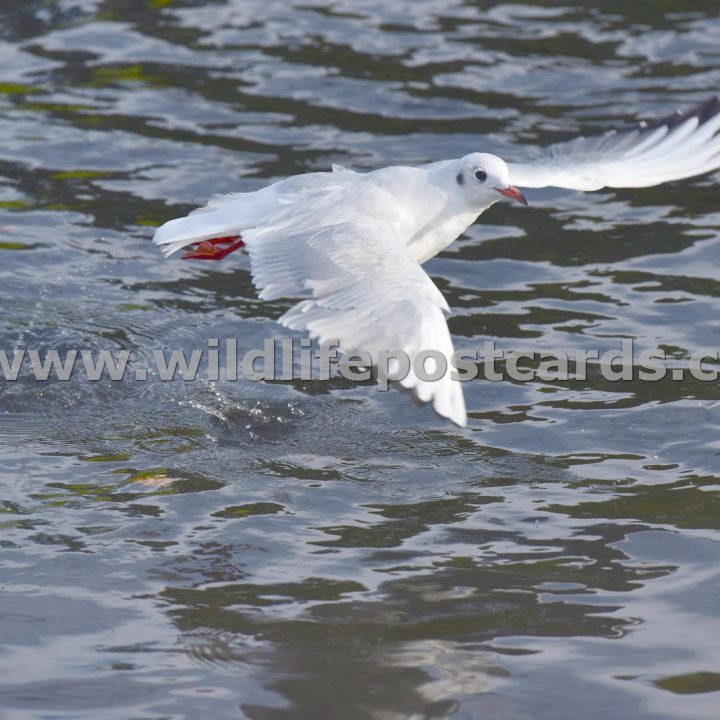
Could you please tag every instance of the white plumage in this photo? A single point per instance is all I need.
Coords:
(351, 244)
(681, 146)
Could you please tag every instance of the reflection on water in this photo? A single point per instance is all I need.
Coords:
(309, 550)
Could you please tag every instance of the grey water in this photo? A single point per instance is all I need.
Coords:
(309, 550)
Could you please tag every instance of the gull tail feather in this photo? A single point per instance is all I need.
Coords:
(177, 234)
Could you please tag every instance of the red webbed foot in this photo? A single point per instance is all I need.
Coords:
(215, 248)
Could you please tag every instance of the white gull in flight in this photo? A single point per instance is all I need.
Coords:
(351, 244)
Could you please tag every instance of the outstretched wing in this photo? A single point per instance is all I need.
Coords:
(364, 289)
(233, 214)
(681, 146)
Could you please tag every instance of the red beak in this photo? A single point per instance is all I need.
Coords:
(512, 192)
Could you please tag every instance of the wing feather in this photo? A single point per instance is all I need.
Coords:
(680, 146)
(234, 213)
(363, 288)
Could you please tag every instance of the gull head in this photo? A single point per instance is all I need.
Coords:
(483, 178)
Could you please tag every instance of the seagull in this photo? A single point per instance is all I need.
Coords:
(350, 245)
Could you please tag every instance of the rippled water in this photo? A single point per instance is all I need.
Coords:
(308, 550)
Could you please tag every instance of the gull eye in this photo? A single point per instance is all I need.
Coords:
(481, 175)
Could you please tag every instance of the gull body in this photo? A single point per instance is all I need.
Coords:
(428, 207)
(351, 244)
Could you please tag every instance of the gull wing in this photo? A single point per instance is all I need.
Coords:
(680, 146)
(363, 288)
(232, 214)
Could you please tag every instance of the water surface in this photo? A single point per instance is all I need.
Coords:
(307, 550)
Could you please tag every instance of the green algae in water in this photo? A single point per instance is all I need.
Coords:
(694, 683)
(19, 89)
(258, 508)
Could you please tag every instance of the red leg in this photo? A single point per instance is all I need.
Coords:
(212, 250)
